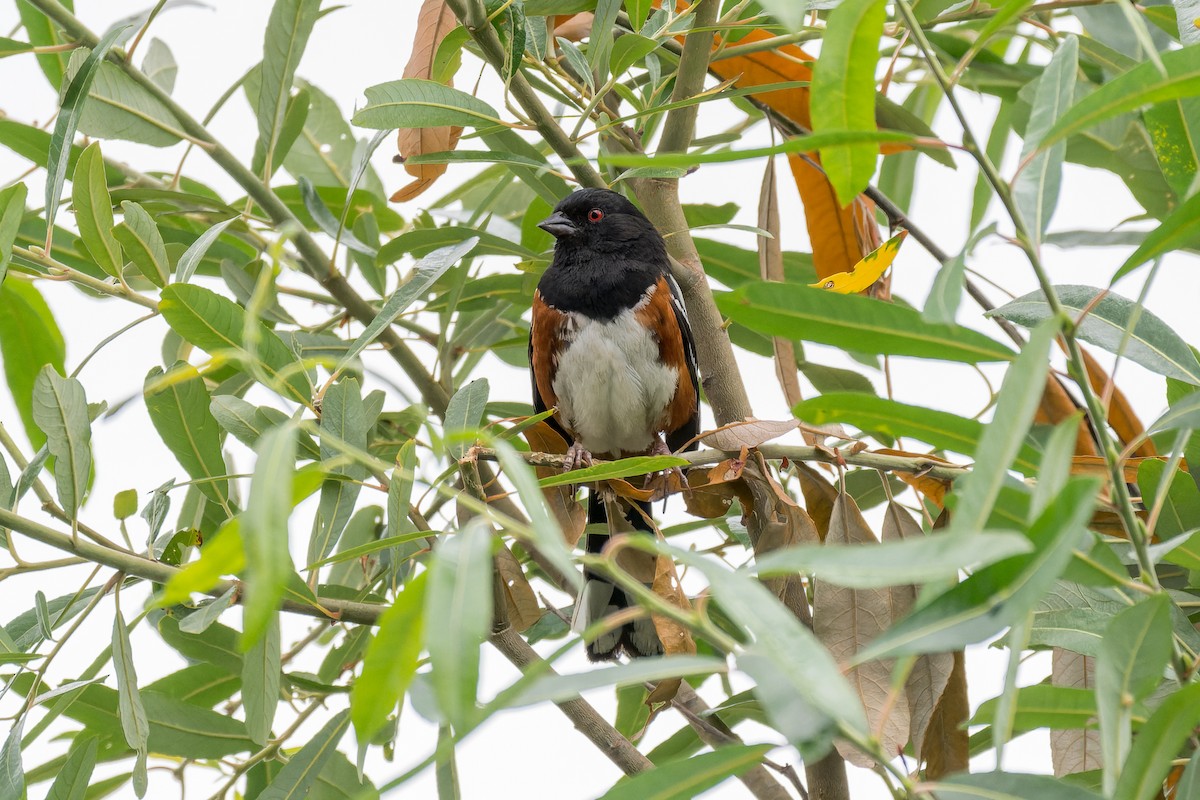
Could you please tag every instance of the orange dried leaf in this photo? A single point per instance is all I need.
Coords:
(1121, 416)
(1056, 405)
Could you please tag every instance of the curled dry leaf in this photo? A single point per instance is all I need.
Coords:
(931, 672)
(519, 599)
(770, 266)
(1076, 749)
(676, 639)
(845, 620)
(747, 433)
(433, 23)
(819, 497)
(947, 747)
(571, 515)
(712, 490)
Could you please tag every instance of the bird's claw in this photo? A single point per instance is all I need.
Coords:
(577, 457)
(668, 480)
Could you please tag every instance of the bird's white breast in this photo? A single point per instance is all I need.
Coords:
(612, 388)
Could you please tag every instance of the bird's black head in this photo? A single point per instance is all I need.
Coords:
(602, 221)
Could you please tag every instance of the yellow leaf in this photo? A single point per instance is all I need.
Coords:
(865, 272)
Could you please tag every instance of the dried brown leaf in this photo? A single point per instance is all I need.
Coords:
(1121, 416)
(845, 620)
(946, 748)
(1076, 749)
(747, 433)
(713, 490)
(519, 599)
(571, 515)
(770, 266)
(819, 497)
(929, 674)
(676, 638)
(434, 21)
(1056, 405)
(573, 27)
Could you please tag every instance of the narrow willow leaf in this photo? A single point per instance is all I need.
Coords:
(843, 92)
(1158, 742)
(191, 258)
(1189, 782)
(343, 418)
(178, 403)
(134, 725)
(261, 676)
(784, 651)
(265, 530)
(294, 117)
(42, 32)
(297, 777)
(119, 107)
(93, 211)
(942, 304)
(1141, 86)
(12, 773)
(60, 409)
(1133, 654)
(390, 661)
(458, 616)
(216, 324)
(855, 323)
(996, 596)
(1183, 415)
(12, 212)
(142, 241)
(1056, 464)
(224, 554)
(29, 339)
(464, 412)
(71, 109)
(288, 28)
(328, 224)
(202, 618)
(622, 468)
(600, 42)
(872, 414)
(1006, 786)
(159, 65)
(72, 780)
(1036, 186)
(1178, 230)
(1152, 343)
(789, 13)
(937, 557)
(1018, 401)
(679, 780)
(429, 269)
(417, 103)
(529, 691)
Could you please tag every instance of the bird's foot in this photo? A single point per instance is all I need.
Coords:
(668, 481)
(577, 457)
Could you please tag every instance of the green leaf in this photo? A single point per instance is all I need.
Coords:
(458, 617)
(1020, 394)
(42, 32)
(557, 688)
(60, 409)
(178, 404)
(265, 530)
(784, 654)
(12, 212)
(428, 270)
(1044, 706)
(1036, 187)
(296, 778)
(159, 65)
(119, 107)
(795, 144)
(996, 596)
(328, 223)
(789, 13)
(191, 258)
(288, 29)
(1180, 229)
(1183, 414)
(203, 618)
(140, 238)
(872, 414)
(215, 324)
(12, 773)
(464, 412)
(390, 662)
(1133, 654)
(1158, 743)
(1006, 786)
(424, 241)
(93, 211)
(343, 418)
(854, 323)
(843, 92)
(936, 557)
(630, 49)
(417, 103)
(261, 676)
(73, 777)
(600, 42)
(134, 724)
(941, 307)
(65, 126)
(679, 780)
(1189, 783)
(622, 468)
(1152, 343)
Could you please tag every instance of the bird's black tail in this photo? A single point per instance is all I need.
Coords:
(600, 597)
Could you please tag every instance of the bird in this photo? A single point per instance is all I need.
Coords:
(611, 350)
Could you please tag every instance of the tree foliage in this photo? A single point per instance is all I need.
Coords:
(842, 578)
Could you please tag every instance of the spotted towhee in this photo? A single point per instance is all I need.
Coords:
(611, 349)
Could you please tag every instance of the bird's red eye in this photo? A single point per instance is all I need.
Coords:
(595, 215)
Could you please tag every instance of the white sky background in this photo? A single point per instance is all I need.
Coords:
(368, 43)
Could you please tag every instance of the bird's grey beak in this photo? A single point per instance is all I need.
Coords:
(558, 225)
